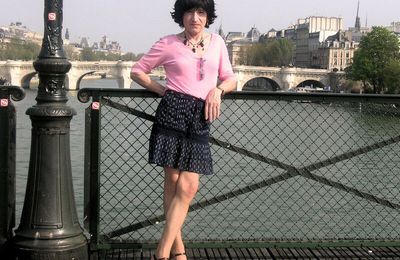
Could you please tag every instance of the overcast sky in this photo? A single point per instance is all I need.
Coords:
(137, 24)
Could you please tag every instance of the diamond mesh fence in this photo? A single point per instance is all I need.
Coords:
(288, 168)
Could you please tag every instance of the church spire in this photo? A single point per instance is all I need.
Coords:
(358, 22)
(221, 32)
(66, 34)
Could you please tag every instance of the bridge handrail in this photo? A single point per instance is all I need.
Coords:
(8, 159)
(85, 94)
(16, 93)
(299, 169)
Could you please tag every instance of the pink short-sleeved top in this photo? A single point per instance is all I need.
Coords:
(185, 71)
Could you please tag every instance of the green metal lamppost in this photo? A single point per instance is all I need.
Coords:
(49, 227)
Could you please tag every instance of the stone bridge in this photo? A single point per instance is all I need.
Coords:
(287, 77)
(20, 73)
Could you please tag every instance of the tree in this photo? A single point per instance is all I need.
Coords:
(129, 56)
(377, 49)
(19, 50)
(71, 52)
(271, 53)
(287, 48)
(391, 77)
(87, 54)
(112, 56)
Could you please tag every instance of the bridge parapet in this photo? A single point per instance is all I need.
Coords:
(116, 69)
(15, 71)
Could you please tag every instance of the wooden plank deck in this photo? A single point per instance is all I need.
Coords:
(264, 253)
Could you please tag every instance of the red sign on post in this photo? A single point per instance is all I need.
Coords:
(4, 103)
(52, 16)
(95, 106)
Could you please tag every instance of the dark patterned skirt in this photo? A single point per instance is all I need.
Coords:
(180, 134)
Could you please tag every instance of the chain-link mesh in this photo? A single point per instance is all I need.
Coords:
(286, 169)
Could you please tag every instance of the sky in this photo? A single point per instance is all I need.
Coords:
(136, 25)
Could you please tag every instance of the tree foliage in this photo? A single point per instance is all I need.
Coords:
(25, 50)
(391, 77)
(378, 55)
(71, 52)
(271, 53)
(19, 50)
(87, 54)
(129, 56)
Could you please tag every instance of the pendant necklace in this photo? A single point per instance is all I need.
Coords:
(194, 46)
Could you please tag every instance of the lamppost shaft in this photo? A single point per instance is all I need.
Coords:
(49, 227)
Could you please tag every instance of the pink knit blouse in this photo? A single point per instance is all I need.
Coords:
(185, 71)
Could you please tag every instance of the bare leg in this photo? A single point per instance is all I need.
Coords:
(186, 189)
(170, 183)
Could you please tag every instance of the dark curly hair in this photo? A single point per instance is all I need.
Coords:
(182, 6)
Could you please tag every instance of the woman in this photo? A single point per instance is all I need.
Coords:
(194, 62)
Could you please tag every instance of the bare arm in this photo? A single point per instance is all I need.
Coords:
(228, 85)
(145, 81)
(213, 100)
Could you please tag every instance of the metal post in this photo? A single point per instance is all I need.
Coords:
(334, 80)
(7, 162)
(49, 227)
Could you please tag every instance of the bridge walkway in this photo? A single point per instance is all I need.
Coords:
(265, 253)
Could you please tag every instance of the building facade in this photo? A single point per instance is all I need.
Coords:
(236, 43)
(310, 32)
(19, 31)
(335, 53)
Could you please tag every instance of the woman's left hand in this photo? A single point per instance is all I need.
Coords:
(213, 104)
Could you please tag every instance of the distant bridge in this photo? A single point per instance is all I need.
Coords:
(287, 77)
(20, 73)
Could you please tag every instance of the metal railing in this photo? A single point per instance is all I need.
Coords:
(291, 169)
(7, 160)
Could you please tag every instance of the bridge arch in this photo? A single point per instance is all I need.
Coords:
(66, 82)
(26, 80)
(261, 84)
(311, 83)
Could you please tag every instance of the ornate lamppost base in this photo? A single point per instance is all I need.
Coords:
(66, 249)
